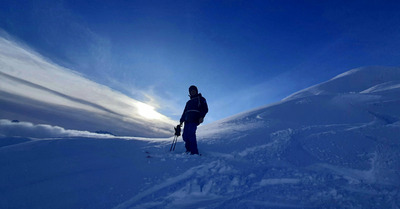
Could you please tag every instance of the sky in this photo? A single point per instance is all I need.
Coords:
(240, 54)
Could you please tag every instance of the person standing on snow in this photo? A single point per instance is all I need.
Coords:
(195, 111)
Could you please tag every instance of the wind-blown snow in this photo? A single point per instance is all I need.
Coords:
(337, 149)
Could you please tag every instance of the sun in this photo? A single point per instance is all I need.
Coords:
(147, 111)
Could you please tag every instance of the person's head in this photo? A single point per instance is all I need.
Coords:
(193, 90)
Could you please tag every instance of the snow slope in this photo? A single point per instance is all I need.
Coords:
(334, 145)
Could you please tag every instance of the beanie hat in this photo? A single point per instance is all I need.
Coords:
(193, 87)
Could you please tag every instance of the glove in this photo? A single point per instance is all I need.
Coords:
(177, 130)
(201, 120)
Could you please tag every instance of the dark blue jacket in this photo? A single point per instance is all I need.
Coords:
(195, 109)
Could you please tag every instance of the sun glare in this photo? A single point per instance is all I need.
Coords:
(148, 111)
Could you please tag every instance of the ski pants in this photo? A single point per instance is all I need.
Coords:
(189, 136)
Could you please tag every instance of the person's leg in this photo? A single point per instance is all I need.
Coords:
(187, 146)
(186, 136)
(193, 144)
(192, 138)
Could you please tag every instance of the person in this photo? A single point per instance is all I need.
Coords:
(193, 115)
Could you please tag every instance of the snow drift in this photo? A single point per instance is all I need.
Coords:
(333, 145)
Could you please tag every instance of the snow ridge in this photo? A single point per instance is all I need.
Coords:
(353, 81)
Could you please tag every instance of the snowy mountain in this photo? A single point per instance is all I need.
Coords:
(333, 145)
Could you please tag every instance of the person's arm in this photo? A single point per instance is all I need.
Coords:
(203, 110)
(183, 115)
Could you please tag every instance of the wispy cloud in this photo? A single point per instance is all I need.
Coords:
(30, 77)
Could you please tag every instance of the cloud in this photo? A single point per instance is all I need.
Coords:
(26, 129)
(30, 82)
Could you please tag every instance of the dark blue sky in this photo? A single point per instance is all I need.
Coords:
(241, 54)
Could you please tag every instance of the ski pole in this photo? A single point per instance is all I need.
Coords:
(173, 142)
(176, 140)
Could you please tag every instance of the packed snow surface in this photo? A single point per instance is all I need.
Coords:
(333, 145)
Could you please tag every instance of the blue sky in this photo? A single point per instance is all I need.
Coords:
(240, 54)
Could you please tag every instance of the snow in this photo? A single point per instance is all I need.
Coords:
(266, 182)
(388, 86)
(353, 81)
(337, 149)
